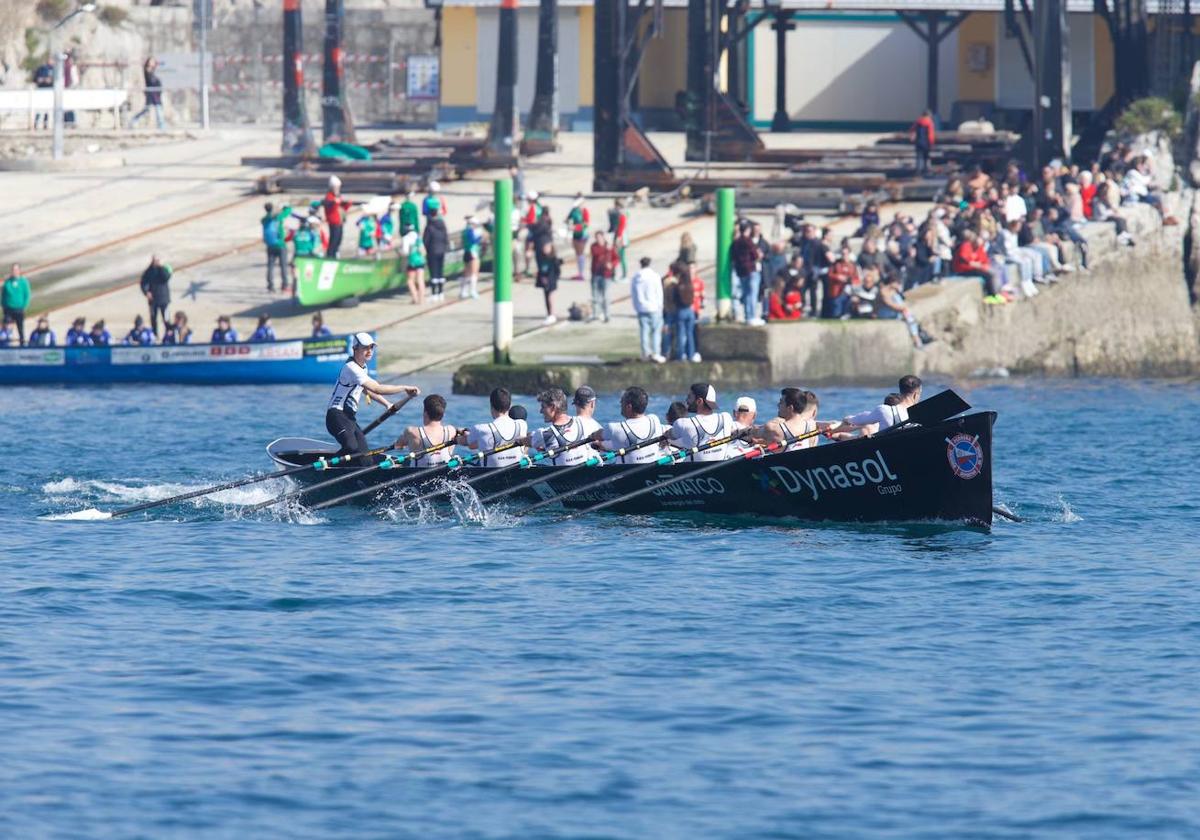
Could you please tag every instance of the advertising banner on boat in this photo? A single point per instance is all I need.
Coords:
(34, 356)
(278, 351)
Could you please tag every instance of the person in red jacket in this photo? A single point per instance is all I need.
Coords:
(922, 133)
(335, 215)
(971, 260)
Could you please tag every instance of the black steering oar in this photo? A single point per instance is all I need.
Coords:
(665, 460)
(453, 464)
(757, 452)
(385, 464)
(526, 462)
(594, 461)
(319, 464)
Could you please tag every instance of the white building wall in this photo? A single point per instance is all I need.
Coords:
(488, 31)
(852, 71)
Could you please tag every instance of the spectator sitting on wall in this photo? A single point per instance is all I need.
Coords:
(841, 275)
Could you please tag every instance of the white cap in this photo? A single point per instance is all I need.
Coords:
(747, 403)
(532, 195)
(434, 186)
(363, 339)
(334, 181)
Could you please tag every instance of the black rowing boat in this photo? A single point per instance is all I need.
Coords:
(937, 471)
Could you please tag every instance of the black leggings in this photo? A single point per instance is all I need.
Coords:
(345, 431)
(335, 241)
(18, 316)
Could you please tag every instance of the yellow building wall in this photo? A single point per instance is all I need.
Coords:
(664, 68)
(1102, 51)
(459, 55)
(978, 31)
(587, 54)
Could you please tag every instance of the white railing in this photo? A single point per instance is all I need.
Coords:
(31, 101)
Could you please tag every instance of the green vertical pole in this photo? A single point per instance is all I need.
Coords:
(502, 310)
(725, 219)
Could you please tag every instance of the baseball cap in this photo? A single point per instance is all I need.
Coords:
(363, 339)
(704, 391)
(584, 395)
(746, 403)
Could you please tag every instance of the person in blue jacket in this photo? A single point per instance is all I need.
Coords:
(78, 335)
(224, 333)
(140, 334)
(43, 336)
(100, 335)
(265, 331)
(319, 328)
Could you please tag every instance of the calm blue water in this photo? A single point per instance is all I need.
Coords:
(193, 674)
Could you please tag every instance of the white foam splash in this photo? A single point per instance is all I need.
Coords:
(87, 515)
(1065, 514)
(66, 485)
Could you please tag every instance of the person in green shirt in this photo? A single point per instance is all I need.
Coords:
(304, 244)
(410, 214)
(414, 266)
(16, 299)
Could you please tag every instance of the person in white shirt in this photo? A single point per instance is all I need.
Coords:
(501, 430)
(432, 432)
(745, 412)
(886, 416)
(646, 289)
(703, 424)
(561, 429)
(638, 427)
(585, 408)
(341, 413)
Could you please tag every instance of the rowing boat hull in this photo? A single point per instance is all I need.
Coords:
(938, 472)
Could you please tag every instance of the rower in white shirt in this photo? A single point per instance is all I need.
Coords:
(501, 430)
(561, 429)
(703, 424)
(885, 416)
(638, 427)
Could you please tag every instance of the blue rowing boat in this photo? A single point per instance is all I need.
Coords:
(288, 361)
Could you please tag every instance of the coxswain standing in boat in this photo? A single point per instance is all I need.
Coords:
(885, 416)
(562, 429)
(501, 430)
(637, 428)
(703, 424)
(432, 432)
(352, 382)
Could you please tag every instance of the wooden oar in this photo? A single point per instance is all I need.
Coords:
(385, 464)
(392, 409)
(525, 463)
(619, 474)
(452, 464)
(319, 464)
(757, 452)
(594, 461)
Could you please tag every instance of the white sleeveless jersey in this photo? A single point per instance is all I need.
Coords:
(553, 437)
(499, 431)
(790, 438)
(348, 388)
(628, 433)
(433, 459)
(695, 430)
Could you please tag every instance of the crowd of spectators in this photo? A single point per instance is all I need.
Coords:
(1011, 232)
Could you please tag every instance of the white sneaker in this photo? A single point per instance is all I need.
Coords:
(696, 357)
(659, 359)
(550, 319)
(757, 322)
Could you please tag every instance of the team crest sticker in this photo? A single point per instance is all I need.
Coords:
(965, 455)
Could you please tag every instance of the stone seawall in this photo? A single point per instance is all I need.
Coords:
(1128, 316)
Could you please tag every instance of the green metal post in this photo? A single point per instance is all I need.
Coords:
(725, 219)
(502, 310)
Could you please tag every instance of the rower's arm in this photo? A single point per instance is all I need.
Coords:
(379, 389)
